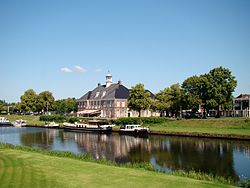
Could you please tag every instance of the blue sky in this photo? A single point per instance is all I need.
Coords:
(67, 47)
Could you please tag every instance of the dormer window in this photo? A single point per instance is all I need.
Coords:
(103, 94)
(97, 94)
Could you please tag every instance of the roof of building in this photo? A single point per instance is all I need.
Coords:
(243, 96)
(101, 92)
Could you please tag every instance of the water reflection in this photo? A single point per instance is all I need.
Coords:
(212, 157)
(216, 157)
(43, 139)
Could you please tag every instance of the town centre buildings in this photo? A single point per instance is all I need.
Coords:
(109, 101)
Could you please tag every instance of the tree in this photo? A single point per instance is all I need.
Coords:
(163, 102)
(139, 99)
(45, 101)
(212, 90)
(222, 84)
(170, 100)
(176, 97)
(196, 90)
(66, 105)
(28, 101)
(2, 103)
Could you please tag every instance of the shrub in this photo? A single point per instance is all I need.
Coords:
(245, 183)
(56, 118)
(73, 119)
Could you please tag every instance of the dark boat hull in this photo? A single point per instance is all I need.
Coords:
(7, 124)
(135, 132)
(86, 129)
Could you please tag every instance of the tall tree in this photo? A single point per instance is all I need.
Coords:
(176, 95)
(222, 84)
(139, 99)
(170, 100)
(45, 101)
(196, 89)
(66, 105)
(212, 90)
(29, 101)
(163, 102)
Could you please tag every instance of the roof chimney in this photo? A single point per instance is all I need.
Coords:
(99, 84)
(120, 82)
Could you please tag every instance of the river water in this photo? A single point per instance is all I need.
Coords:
(225, 158)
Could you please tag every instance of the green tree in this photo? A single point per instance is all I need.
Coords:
(176, 97)
(196, 90)
(163, 102)
(29, 101)
(66, 105)
(139, 99)
(222, 84)
(45, 101)
(170, 99)
(212, 90)
(2, 103)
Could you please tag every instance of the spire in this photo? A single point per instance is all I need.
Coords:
(108, 79)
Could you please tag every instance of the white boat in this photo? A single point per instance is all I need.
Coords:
(20, 123)
(134, 129)
(4, 122)
(51, 125)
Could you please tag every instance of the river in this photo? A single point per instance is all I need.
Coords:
(225, 158)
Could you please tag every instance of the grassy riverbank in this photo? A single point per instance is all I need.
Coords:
(216, 126)
(24, 167)
(228, 127)
(31, 120)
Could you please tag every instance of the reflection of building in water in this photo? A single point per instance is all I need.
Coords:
(210, 156)
(103, 146)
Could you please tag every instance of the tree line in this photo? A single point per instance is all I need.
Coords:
(41, 103)
(212, 90)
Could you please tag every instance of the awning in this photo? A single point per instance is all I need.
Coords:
(89, 112)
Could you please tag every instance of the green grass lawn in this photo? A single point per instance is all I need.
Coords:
(31, 169)
(31, 119)
(225, 126)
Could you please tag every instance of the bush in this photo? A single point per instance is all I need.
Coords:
(245, 183)
(73, 119)
(56, 118)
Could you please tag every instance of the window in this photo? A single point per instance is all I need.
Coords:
(123, 104)
(97, 94)
(104, 93)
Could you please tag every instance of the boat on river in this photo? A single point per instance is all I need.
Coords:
(4, 122)
(51, 125)
(90, 126)
(20, 123)
(134, 130)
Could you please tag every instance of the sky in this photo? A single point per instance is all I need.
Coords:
(68, 46)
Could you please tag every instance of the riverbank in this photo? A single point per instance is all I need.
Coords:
(28, 167)
(222, 128)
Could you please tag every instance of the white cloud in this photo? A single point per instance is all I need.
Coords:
(80, 69)
(66, 69)
(98, 70)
